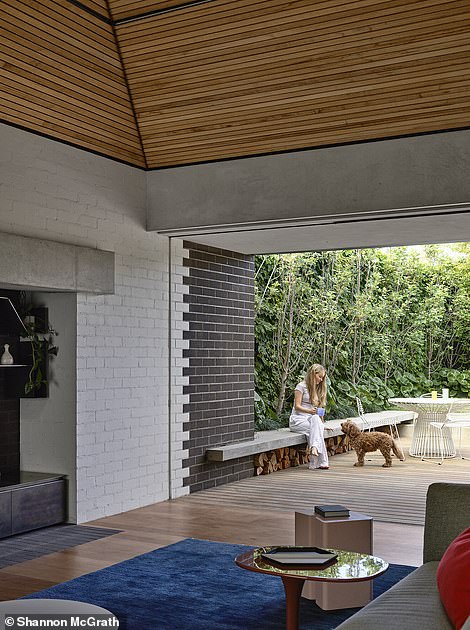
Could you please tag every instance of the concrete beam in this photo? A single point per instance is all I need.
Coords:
(352, 182)
(32, 263)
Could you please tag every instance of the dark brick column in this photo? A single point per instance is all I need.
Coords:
(221, 361)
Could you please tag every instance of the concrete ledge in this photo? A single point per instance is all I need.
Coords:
(263, 441)
(279, 438)
(33, 263)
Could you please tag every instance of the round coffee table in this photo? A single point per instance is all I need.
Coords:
(349, 566)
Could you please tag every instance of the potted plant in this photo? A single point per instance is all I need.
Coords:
(42, 346)
(41, 338)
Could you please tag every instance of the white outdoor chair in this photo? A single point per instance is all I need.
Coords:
(454, 420)
(369, 424)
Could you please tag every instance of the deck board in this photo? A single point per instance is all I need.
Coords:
(395, 495)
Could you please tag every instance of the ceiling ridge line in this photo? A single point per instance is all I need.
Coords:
(78, 4)
(128, 88)
(155, 12)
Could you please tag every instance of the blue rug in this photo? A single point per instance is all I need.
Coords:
(195, 585)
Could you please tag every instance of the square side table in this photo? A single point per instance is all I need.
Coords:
(352, 534)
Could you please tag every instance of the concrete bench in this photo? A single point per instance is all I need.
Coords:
(280, 438)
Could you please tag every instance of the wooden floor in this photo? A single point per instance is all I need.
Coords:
(201, 515)
(392, 495)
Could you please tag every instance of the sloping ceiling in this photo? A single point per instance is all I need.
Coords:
(230, 78)
(61, 75)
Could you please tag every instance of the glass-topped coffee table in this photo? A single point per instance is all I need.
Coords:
(348, 567)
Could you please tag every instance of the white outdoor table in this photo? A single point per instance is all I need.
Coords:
(426, 441)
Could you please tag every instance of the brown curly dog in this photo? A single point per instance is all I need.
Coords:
(364, 443)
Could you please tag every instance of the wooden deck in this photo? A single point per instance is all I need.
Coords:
(394, 495)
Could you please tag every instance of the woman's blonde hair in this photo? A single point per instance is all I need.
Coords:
(317, 392)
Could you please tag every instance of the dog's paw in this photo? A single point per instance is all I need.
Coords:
(358, 464)
(386, 465)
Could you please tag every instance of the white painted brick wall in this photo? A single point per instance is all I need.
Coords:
(177, 363)
(53, 191)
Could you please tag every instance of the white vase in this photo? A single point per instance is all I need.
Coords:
(6, 358)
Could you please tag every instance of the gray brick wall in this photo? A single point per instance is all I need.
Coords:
(221, 361)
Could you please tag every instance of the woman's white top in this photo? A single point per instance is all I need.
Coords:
(300, 415)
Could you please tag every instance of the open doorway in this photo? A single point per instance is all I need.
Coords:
(384, 322)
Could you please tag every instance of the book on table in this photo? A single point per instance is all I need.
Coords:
(330, 511)
(299, 556)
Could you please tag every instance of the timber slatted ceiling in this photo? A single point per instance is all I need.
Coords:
(121, 9)
(240, 77)
(61, 76)
(99, 6)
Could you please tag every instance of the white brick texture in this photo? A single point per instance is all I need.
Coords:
(177, 364)
(53, 191)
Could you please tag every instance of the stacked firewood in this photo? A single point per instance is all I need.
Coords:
(283, 458)
(337, 444)
(280, 459)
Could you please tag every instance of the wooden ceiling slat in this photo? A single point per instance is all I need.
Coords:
(199, 90)
(121, 9)
(46, 67)
(289, 49)
(452, 93)
(42, 57)
(243, 28)
(229, 12)
(126, 9)
(280, 46)
(233, 78)
(279, 74)
(92, 115)
(32, 21)
(257, 147)
(66, 54)
(66, 79)
(238, 60)
(303, 126)
(61, 88)
(61, 13)
(227, 119)
(304, 95)
(318, 122)
(74, 126)
(99, 6)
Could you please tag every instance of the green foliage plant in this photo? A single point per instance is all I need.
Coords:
(384, 322)
(41, 337)
(42, 346)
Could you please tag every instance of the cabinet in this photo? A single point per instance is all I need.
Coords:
(38, 500)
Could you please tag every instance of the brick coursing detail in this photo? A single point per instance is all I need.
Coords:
(220, 353)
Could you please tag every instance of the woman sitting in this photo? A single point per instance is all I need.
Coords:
(309, 401)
